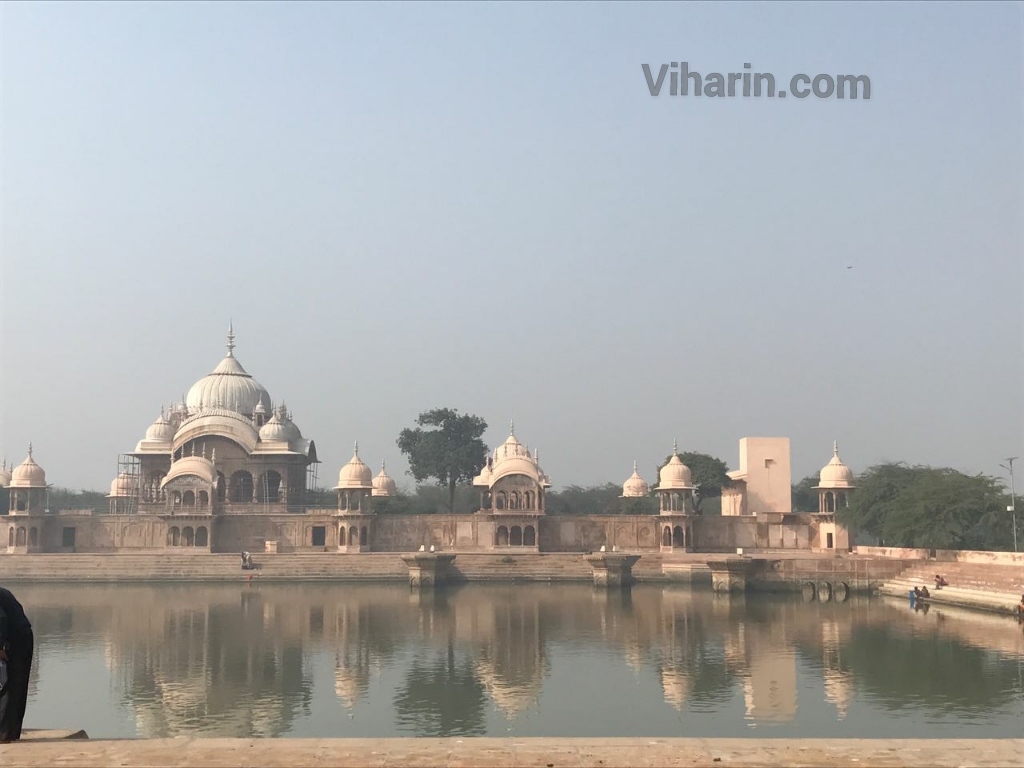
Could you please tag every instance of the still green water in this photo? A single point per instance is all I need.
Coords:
(526, 660)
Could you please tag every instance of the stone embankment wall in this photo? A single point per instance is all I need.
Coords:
(944, 555)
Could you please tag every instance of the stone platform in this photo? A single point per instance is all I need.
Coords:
(49, 748)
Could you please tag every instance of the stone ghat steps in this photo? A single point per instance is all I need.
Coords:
(991, 600)
(377, 566)
(995, 578)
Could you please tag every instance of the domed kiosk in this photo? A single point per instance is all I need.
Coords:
(675, 502)
(27, 491)
(512, 487)
(355, 505)
(835, 484)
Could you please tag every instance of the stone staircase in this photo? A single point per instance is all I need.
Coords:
(971, 585)
(320, 566)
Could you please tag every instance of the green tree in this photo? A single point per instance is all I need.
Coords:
(710, 476)
(805, 497)
(449, 451)
(928, 507)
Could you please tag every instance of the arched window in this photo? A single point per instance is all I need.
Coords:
(188, 536)
(677, 536)
(21, 537)
(513, 502)
(353, 536)
(204, 499)
(515, 537)
(341, 535)
(176, 498)
(241, 487)
(501, 537)
(202, 536)
(173, 536)
(188, 499)
(363, 538)
(10, 537)
(500, 501)
(529, 536)
(666, 537)
(222, 487)
(269, 487)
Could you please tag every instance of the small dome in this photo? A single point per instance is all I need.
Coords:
(355, 474)
(635, 485)
(383, 485)
(279, 428)
(675, 475)
(28, 474)
(123, 485)
(160, 430)
(5, 475)
(835, 474)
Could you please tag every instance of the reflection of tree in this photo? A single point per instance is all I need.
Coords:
(945, 676)
(441, 697)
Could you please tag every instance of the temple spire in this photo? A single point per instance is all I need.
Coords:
(231, 338)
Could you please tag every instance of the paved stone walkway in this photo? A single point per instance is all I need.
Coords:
(53, 748)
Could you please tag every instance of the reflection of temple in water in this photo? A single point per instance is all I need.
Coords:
(510, 662)
(207, 669)
(838, 681)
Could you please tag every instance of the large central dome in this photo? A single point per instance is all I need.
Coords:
(228, 386)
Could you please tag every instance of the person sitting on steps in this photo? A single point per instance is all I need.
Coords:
(940, 582)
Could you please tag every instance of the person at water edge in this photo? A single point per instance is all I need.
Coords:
(1020, 608)
(925, 592)
(16, 645)
(940, 582)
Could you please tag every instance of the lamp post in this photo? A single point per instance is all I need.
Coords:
(1012, 509)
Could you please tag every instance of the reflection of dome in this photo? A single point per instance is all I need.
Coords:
(383, 485)
(349, 683)
(510, 697)
(28, 474)
(676, 685)
(635, 485)
(355, 474)
(675, 475)
(123, 485)
(835, 474)
(228, 386)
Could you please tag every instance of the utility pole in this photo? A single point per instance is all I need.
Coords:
(1012, 509)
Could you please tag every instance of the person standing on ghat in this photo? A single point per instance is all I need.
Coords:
(16, 644)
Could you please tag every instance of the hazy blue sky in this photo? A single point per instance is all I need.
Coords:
(411, 206)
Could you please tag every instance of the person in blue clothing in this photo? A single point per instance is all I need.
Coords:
(16, 645)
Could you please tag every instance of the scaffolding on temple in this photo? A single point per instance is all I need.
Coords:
(312, 472)
(128, 486)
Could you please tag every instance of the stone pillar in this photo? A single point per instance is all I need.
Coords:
(428, 569)
(612, 570)
(730, 574)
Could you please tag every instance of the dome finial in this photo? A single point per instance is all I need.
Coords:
(634, 467)
(835, 447)
(675, 447)
(231, 338)
(512, 427)
(356, 448)
(383, 465)
(30, 450)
